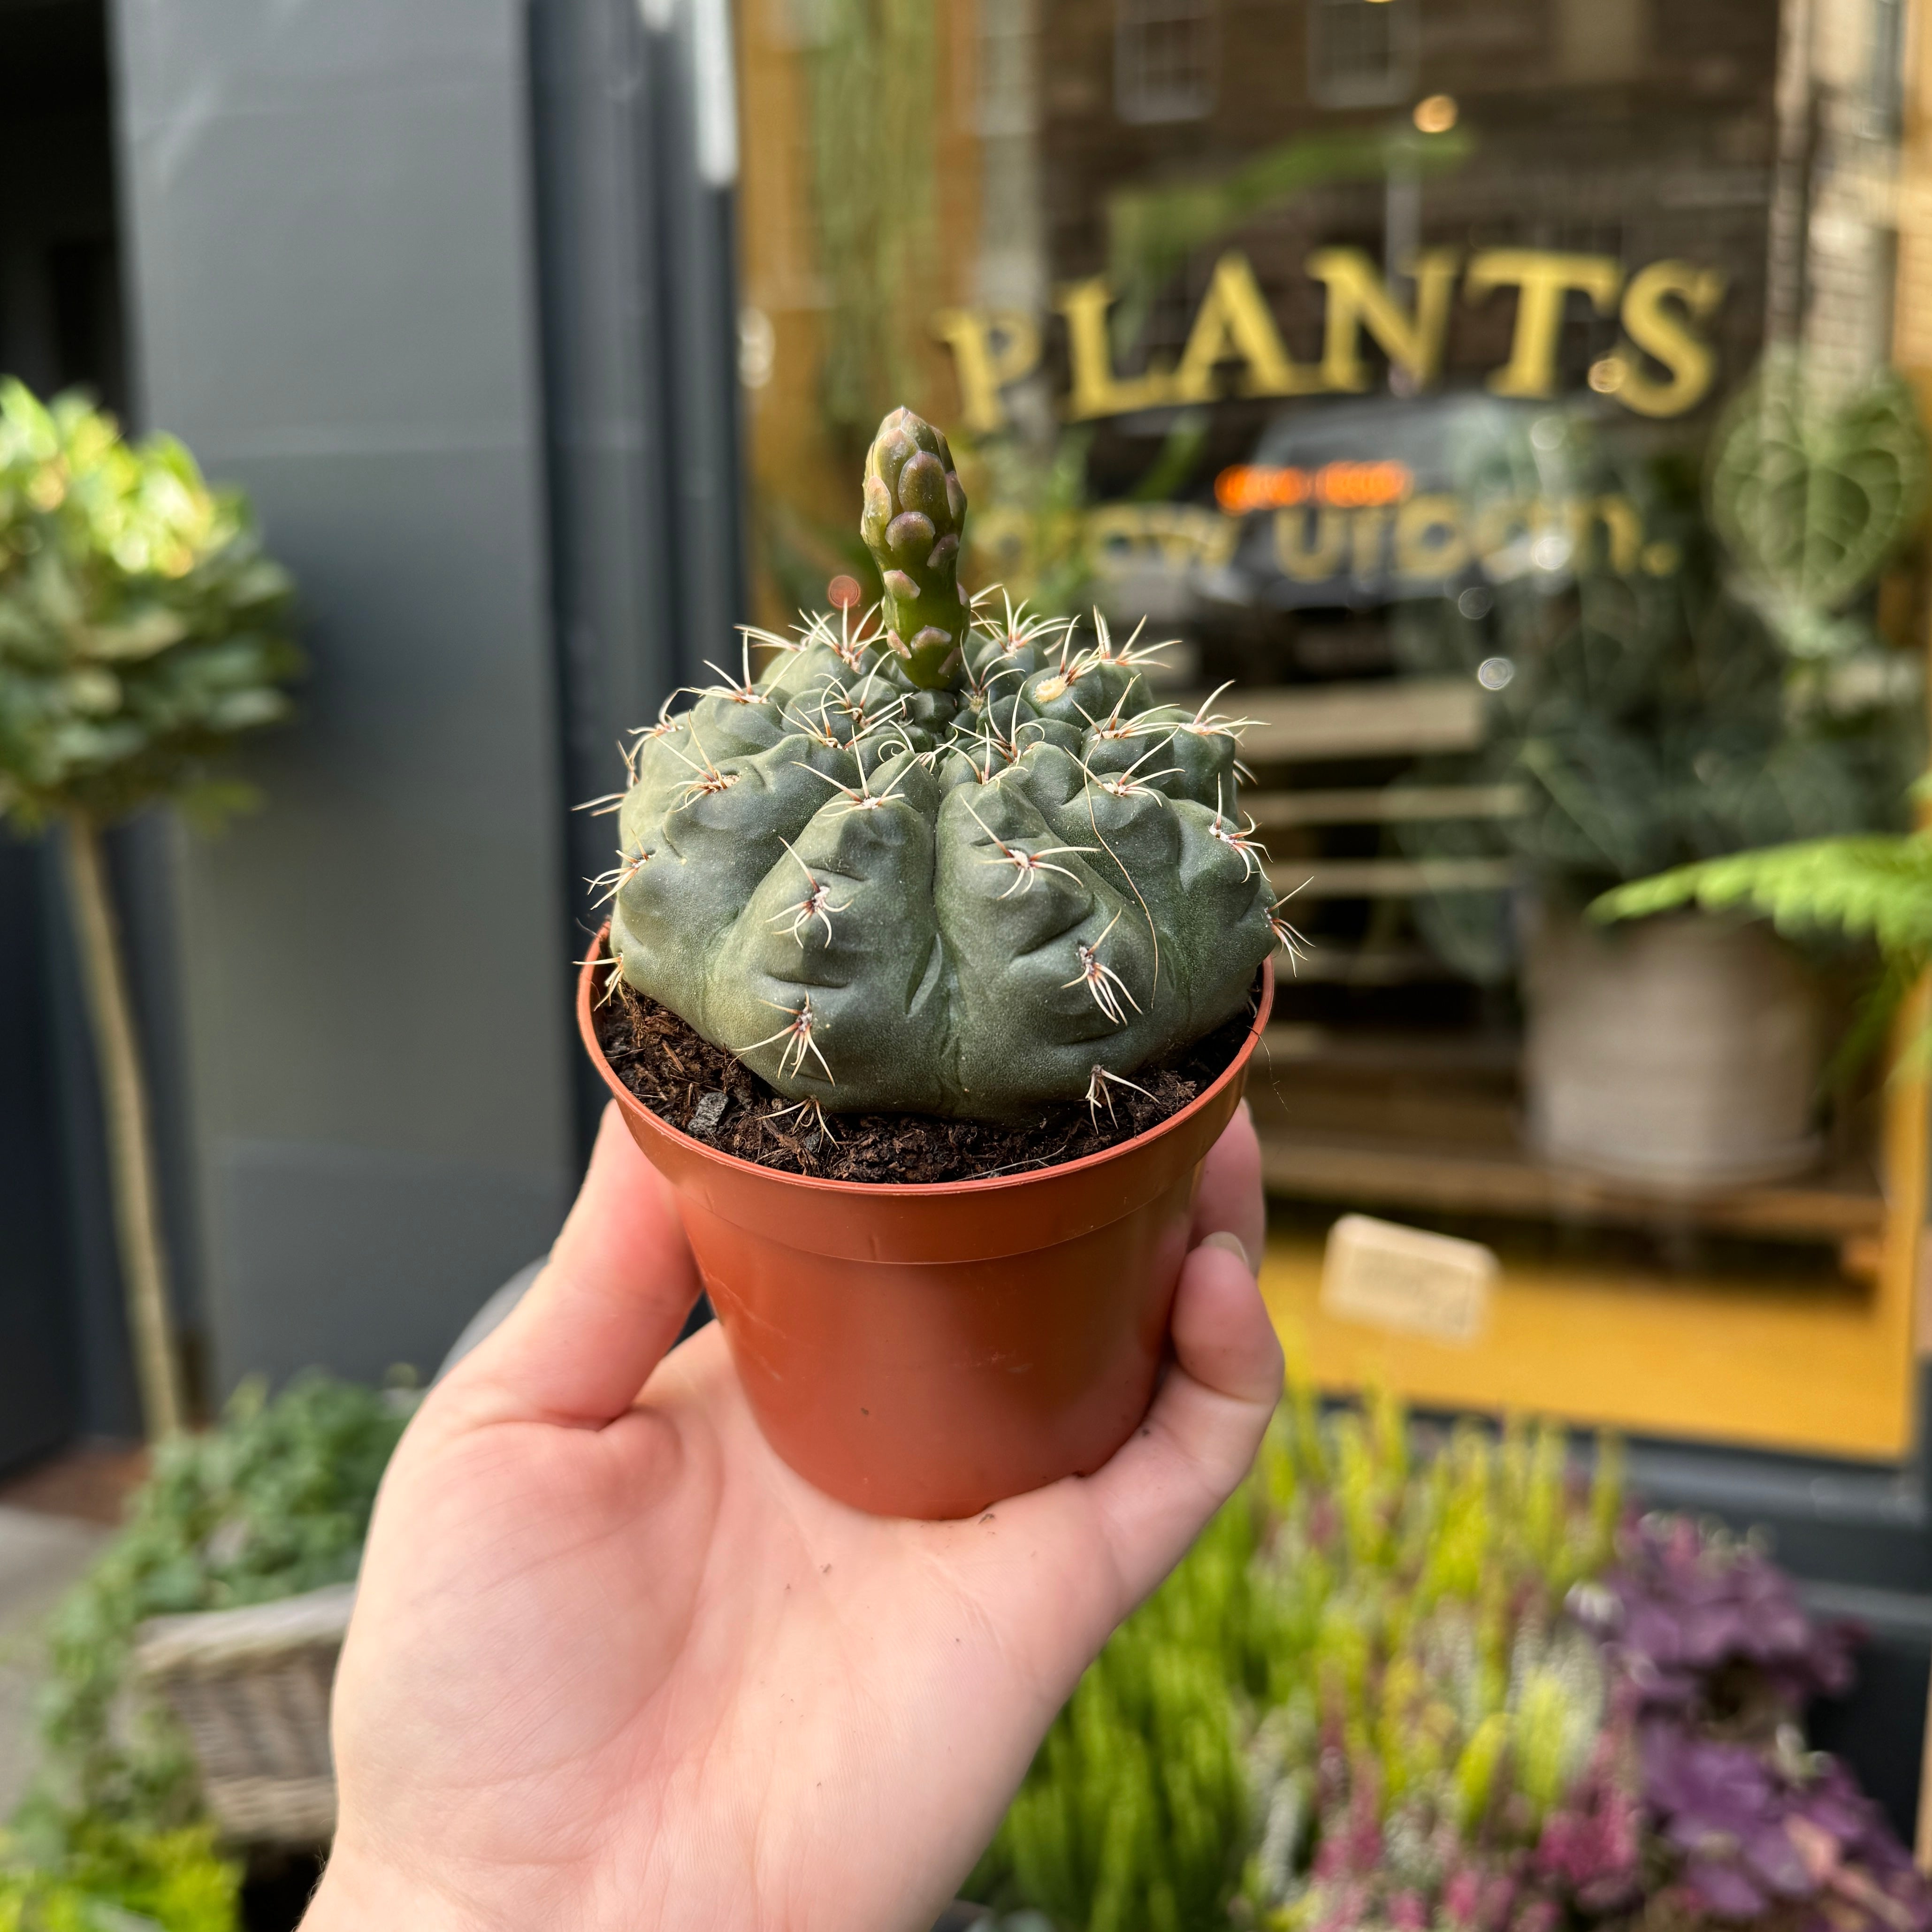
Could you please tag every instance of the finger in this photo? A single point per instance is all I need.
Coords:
(1230, 1199)
(1200, 1437)
(599, 1319)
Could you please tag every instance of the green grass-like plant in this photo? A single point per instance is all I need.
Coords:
(1360, 1679)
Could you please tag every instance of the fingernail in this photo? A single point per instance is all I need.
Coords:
(1232, 1243)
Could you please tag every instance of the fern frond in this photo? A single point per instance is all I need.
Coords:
(1872, 887)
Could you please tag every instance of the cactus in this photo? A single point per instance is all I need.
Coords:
(915, 513)
(943, 860)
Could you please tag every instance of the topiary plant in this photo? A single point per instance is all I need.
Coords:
(143, 629)
(944, 863)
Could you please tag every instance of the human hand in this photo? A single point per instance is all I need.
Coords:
(614, 1665)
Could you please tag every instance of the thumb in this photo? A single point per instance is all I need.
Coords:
(598, 1319)
(1200, 1438)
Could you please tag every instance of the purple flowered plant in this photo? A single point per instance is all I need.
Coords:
(1700, 1622)
(1717, 1660)
(1755, 1831)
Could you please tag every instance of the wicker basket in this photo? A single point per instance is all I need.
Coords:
(251, 1687)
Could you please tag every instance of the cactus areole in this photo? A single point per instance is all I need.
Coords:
(939, 861)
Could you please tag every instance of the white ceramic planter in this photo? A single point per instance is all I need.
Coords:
(1680, 1054)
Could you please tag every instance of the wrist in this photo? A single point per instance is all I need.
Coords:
(358, 1893)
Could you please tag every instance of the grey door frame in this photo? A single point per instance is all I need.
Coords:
(634, 153)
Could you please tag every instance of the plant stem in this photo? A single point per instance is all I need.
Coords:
(124, 1096)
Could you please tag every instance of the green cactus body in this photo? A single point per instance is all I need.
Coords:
(914, 516)
(964, 901)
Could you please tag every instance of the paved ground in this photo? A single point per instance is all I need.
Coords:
(40, 1555)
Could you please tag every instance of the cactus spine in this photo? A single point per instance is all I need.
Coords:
(946, 862)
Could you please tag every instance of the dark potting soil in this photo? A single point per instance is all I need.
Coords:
(704, 1092)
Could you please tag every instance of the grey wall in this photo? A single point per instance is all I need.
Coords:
(329, 261)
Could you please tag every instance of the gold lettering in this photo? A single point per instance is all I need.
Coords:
(1176, 533)
(1622, 527)
(1358, 298)
(1097, 391)
(1542, 281)
(1180, 533)
(1429, 538)
(991, 348)
(1219, 536)
(1306, 562)
(1234, 325)
(1371, 540)
(1660, 332)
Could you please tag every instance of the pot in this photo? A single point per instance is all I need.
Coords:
(1681, 1054)
(925, 1351)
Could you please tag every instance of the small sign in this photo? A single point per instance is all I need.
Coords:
(1385, 1275)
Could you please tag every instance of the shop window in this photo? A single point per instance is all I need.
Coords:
(1005, 96)
(1164, 59)
(1361, 53)
(799, 24)
(1458, 535)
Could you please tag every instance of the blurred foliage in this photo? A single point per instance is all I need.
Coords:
(1650, 715)
(1463, 1690)
(112, 1879)
(1812, 495)
(1133, 1812)
(274, 1502)
(141, 628)
(1026, 529)
(1812, 500)
(1877, 888)
(1362, 1669)
(871, 71)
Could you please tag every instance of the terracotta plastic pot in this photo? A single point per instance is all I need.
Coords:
(925, 1351)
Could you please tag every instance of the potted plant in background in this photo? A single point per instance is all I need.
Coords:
(1875, 889)
(185, 1718)
(937, 954)
(1688, 699)
(142, 631)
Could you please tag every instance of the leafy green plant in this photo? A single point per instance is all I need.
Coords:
(1874, 888)
(1647, 712)
(1134, 1812)
(944, 862)
(1462, 1689)
(142, 631)
(275, 1501)
(111, 1879)
(1811, 494)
